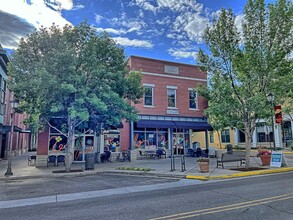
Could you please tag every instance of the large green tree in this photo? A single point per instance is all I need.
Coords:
(77, 74)
(244, 65)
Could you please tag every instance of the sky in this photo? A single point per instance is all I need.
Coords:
(160, 29)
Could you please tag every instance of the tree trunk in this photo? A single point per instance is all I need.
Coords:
(248, 140)
(70, 144)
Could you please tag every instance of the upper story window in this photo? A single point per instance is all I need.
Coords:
(225, 135)
(193, 99)
(211, 137)
(3, 93)
(171, 94)
(148, 95)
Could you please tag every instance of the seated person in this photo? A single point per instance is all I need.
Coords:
(105, 156)
(198, 152)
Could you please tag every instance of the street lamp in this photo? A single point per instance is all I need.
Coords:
(271, 98)
(13, 104)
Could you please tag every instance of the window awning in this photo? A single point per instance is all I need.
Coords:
(196, 126)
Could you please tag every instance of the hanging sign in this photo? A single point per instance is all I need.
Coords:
(278, 114)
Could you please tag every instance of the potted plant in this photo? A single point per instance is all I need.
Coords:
(265, 155)
(203, 164)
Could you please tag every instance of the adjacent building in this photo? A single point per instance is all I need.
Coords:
(21, 135)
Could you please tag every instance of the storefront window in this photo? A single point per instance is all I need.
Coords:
(79, 148)
(112, 140)
(151, 138)
(57, 144)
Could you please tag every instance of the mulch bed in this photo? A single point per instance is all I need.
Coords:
(64, 171)
(248, 169)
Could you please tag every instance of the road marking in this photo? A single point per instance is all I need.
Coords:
(213, 210)
(94, 194)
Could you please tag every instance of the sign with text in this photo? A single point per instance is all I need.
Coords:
(171, 69)
(276, 160)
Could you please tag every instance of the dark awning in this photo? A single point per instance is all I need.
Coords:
(196, 126)
(155, 124)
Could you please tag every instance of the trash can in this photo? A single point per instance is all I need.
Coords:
(89, 161)
(229, 149)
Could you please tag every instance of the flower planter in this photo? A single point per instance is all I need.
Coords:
(204, 167)
(265, 159)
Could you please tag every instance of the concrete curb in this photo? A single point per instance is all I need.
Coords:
(242, 174)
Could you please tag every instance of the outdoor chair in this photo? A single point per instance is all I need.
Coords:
(190, 152)
(125, 156)
(60, 159)
(160, 152)
(142, 155)
(198, 152)
(164, 154)
(31, 160)
(105, 156)
(205, 153)
(51, 159)
(212, 152)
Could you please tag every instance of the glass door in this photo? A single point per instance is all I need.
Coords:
(180, 141)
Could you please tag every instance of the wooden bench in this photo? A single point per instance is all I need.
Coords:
(233, 156)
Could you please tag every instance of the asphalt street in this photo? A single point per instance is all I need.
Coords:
(258, 197)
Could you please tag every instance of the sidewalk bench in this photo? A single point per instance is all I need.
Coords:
(235, 156)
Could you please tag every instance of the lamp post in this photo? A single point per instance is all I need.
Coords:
(271, 98)
(13, 104)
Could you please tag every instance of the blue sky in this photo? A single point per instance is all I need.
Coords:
(161, 29)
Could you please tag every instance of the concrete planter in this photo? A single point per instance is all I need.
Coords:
(204, 167)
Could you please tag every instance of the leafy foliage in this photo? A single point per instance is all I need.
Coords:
(74, 73)
(244, 66)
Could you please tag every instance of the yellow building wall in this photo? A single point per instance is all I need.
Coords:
(200, 137)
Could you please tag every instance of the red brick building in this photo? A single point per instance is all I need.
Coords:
(170, 109)
(21, 135)
(169, 113)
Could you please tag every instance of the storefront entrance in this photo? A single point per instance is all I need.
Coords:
(181, 141)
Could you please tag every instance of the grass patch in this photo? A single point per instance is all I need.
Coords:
(134, 168)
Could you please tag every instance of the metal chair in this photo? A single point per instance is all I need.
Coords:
(60, 159)
(51, 159)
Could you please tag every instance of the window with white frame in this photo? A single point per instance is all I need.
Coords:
(225, 135)
(192, 99)
(148, 95)
(171, 94)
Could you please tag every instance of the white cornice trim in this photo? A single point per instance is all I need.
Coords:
(174, 77)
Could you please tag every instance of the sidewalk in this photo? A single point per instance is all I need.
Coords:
(162, 167)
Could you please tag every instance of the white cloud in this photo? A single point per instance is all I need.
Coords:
(112, 30)
(118, 31)
(65, 4)
(182, 53)
(77, 7)
(180, 6)
(132, 43)
(36, 13)
(195, 28)
(173, 5)
(98, 18)
(144, 4)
